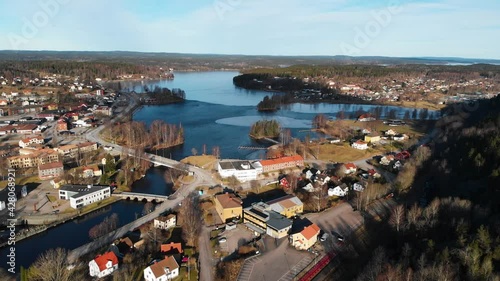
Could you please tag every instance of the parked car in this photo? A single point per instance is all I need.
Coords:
(340, 238)
(222, 240)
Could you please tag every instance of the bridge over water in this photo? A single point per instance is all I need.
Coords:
(141, 196)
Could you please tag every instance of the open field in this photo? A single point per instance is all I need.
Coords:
(203, 161)
(342, 152)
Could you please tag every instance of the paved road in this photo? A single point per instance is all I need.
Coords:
(207, 263)
(201, 177)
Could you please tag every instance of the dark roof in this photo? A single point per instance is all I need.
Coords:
(258, 213)
(277, 221)
(82, 190)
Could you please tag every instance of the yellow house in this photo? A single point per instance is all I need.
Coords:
(287, 206)
(228, 206)
(372, 138)
(306, 238)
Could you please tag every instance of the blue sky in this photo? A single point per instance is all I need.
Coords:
(403, 28)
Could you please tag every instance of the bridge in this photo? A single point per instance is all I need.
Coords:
(141, 196)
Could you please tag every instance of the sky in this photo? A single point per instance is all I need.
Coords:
(398, 28)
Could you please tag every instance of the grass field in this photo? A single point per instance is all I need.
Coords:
(203, 161)
(21, 181)
(412, 128)
(342, 152)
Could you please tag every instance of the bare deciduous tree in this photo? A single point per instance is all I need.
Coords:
(51, 266)
(397, 218)
(192, 218)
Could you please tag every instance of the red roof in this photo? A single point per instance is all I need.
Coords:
(165, 248)
(103, 259)
(350, 166)
(281, 160)
(310, 231)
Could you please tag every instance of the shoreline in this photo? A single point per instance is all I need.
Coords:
(45, 227)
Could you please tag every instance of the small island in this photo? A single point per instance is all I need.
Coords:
(265, 129)
(269, 104)
(159, 96)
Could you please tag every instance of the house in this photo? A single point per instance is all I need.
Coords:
(124, 246)
(32, 140)
(361, 145)
(228, 206)
(27, 129)
(366, 118)
(288, 205)
(306, 238)
(243, 170)
(398, 165)
(62, 125)
(366, 131)
(372, 138)
(103, 265)
(402, 155)
(83, 195)
(386, 160)
(310, 172)
(9, 129)
(166, 269)
(91, 171)
(374, 173)
(333, 140)
(104, 110)
(339, 190)
(358, 187)
(390, 132)
(165, 222)
(400, 137)
(286, 162)
(57, 182)
(171, 248)
(3, 102)
(350, 168)
(34, 159)
(50, 170)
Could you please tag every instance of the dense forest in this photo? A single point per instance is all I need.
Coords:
(84, 70)
(136, 134)
(446, 224)
(265, 129)
(302, 71)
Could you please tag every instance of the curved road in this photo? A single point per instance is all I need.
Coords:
(201, 177)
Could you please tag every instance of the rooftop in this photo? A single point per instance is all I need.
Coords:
(228, 200)
(277, 221)
(82, 190)
(103, 259)
(158, 268)
(236, 165)
(281, 160)
(52, 165)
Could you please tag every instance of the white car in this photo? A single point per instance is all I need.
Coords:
(222, 240)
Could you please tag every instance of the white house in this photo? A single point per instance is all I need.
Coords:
(103, 265)
(165, 222)
(164, 270)
(82, 195)
(338, 191)
(29, 141)
(243, 170)
(358, 187)
(361, 145)
(390, 132)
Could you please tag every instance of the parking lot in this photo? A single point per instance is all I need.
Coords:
(235, 238)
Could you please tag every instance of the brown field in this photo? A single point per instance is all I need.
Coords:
(343, 152)
(204, 161)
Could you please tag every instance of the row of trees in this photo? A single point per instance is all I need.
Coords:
(109, 224)
(136, 134)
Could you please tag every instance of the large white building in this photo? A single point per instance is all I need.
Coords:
(82, 195)
(243, 170)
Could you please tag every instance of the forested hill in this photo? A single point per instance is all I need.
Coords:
(447, 227)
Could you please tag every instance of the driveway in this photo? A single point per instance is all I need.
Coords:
(235, 238)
